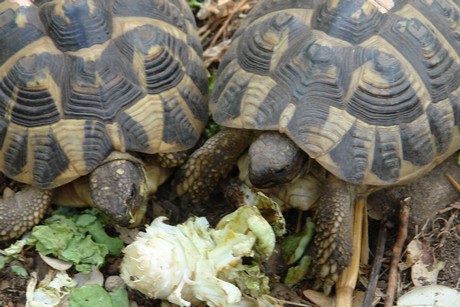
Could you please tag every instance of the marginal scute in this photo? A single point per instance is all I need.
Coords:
(96, 145)
(417, 147)
(353, 163)
(15, 152)
(454, 101)
(3, 130)
(192, 96)
(134, 135)
(178, 128)
(440, 121)
(386, 163)
(49, 159)
(229, 102)
(225, 76)
(199, 77)
(273, 104)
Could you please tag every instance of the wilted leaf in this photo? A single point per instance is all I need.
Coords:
(78, 237)
(56, 264)
(295, 245)
(19, 270)
(297, 273)
(119, 297)
(93, 295)
(433, 295)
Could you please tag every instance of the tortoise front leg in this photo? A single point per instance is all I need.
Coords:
(198, 177)
(22, 210)
(341, 238)
(347, 280)
(333, 233)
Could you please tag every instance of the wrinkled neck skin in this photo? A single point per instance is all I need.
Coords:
(274, 159)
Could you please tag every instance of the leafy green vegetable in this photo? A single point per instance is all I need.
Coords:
(95, 229)
(19, 270)
(251, 281)
(297, 273)
(211, 128)
(91, 295)
(119, 297)
(76, 237)
(12, 252)
(195, 3)
(3, 261)
(294, 245)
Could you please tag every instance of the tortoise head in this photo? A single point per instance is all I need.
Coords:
(119, 188)
(274, 159)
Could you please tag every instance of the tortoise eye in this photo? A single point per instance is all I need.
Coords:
(133, 193)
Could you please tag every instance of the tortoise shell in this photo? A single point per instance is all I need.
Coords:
(80, 79)
(373, 97)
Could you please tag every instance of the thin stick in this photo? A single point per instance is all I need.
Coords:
(453, 182)
(236, 9)
(376, 264)
(397, 250)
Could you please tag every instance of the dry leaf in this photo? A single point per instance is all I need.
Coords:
(383, 5)
(434, 295)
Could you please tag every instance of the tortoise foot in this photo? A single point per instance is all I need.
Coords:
(21, 211)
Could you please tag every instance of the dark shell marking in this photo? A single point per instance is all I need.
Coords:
(373, 97)
(80, 79)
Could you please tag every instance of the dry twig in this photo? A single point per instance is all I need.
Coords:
(397, 250)
(376, 264)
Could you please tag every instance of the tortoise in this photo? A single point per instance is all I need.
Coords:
(96, 98)
(373, 97)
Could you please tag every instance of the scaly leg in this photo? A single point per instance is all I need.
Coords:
(333, 233)
(21, 211)
(347, 280)
(198, 177)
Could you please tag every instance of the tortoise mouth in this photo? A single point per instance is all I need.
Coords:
(271, 178)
